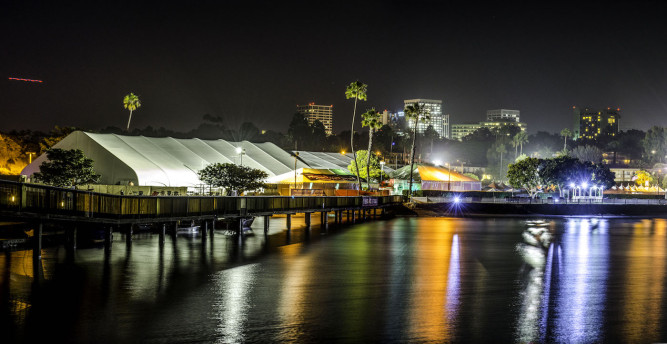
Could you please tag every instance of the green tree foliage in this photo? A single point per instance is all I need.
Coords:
(55, 135)
(587, 153)
(66, 168)
(524, 174)
(559, 171)
(374, 167)
(131, 102)
(370, 119)
(563, 171)
(416, 113)
(655, 145)
(356, 90)
(471, 175)
(233, 177)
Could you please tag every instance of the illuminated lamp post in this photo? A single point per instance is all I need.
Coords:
(296, 157)
(449, 177)
(240, 151)
(381, 171)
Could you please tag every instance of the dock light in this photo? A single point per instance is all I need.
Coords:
(457, 199)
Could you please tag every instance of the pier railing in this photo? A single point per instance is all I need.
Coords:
(41, 199)
(528, 200)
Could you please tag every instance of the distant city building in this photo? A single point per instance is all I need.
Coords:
(594, 123)
(436, 119)
(459, 131)
(502, 115)
(495, 119)
(322, 113)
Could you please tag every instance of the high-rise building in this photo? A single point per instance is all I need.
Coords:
(322, 113)
(436, 119)
(591, 123)
(495, 119)
(502, 115)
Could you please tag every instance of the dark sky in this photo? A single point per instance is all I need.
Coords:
(254, 61)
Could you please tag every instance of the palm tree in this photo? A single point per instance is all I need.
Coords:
(565, 133)
(356, 90)
(500, 149)
(131, 102)
(370, 119)
(417, 113)
(515, 144)
(521, 138)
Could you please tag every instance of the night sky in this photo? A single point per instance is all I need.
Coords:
(254, 61)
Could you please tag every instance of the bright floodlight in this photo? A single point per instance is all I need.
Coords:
(437, 162)
(457, 199)
(572, 185)
(238, 150)
(584, 185)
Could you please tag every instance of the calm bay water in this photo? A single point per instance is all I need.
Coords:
(405, 280)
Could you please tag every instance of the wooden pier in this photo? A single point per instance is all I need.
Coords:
(39, 204)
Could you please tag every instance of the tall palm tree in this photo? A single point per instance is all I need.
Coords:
(515, 144)
(370, 119)
(521, 138)
(131, 102)
(500, 149)
(565, 133)
(356, 90)
(417, 113)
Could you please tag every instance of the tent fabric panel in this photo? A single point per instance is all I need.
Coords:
(148, 172)
(175, 172)
(281, 155)
(263, 158)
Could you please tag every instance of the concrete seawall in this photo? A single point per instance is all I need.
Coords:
(509, 209)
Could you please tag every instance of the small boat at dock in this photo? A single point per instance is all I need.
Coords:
(191, 230)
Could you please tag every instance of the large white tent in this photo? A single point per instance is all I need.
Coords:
(168, 161)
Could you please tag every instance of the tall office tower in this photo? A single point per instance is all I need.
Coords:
(502, 115)
(439, 122)
(591, 123)
(322, 113)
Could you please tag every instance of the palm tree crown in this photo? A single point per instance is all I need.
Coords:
(131, 102)
(370, 119)
(356, 90)
(418, 113)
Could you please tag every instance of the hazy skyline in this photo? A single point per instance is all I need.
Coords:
(255, 61)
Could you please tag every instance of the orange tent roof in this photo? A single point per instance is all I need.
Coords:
(441, 174)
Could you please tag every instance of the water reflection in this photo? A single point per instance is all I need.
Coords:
(537, 253)
(406, 280)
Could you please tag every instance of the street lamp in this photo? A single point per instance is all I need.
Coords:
(381, 171)
(296, 157)
(240, 151)
(449, 177)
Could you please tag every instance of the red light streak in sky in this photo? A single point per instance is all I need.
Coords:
(28, 80)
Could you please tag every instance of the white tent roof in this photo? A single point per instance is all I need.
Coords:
(329, 160)
(167, 161)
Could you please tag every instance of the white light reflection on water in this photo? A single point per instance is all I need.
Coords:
(453, 283)
(579, 309)
(231, 303)
(533, 296)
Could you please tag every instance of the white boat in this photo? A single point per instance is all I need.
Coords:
(192, 230)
